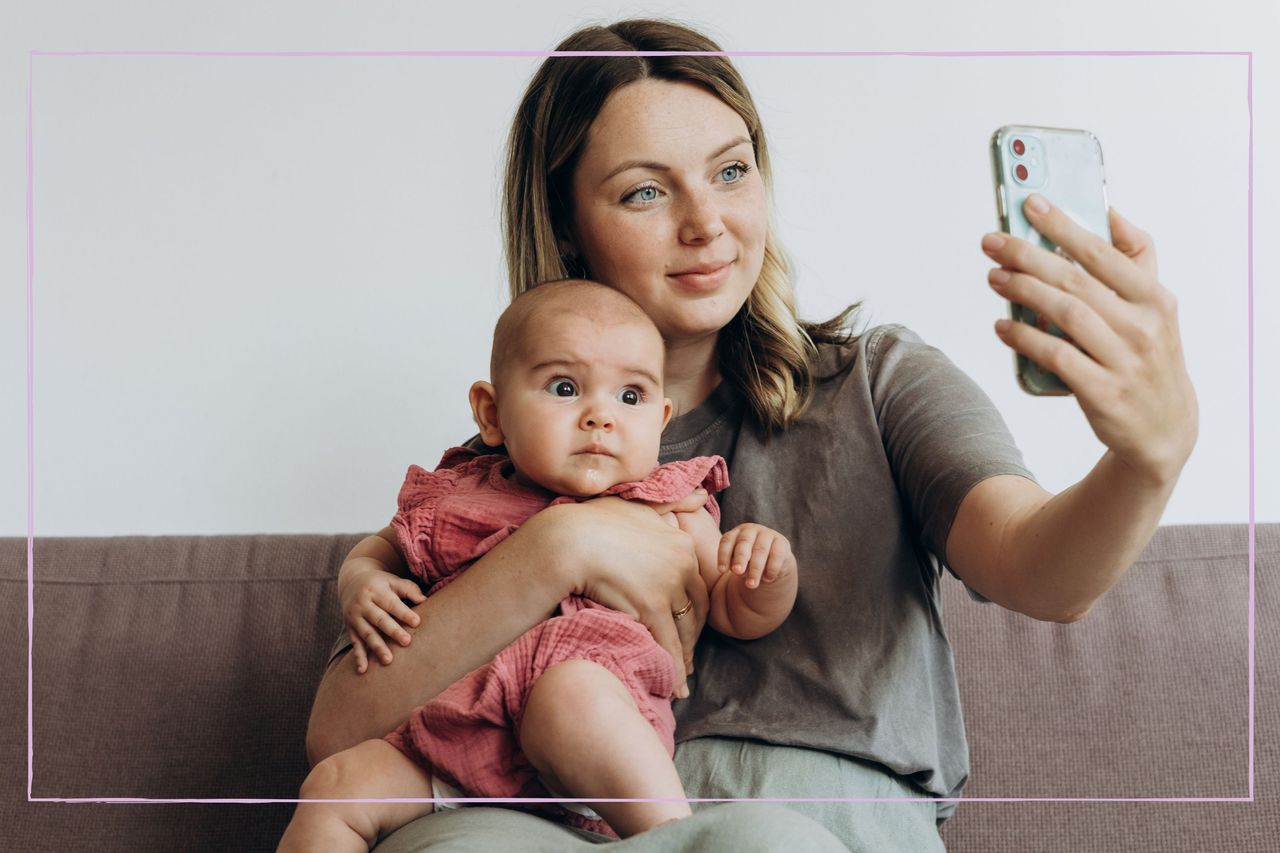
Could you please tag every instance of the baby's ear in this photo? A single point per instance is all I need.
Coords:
(484, 408)
(667, 408)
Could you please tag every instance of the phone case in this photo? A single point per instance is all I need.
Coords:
(1065, 166)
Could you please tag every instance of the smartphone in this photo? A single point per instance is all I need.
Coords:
(1064, 166)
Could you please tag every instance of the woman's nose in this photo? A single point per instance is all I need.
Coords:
(700, 218)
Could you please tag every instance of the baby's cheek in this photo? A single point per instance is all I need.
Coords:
(637, 465)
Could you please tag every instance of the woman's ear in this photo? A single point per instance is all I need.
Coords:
(484, 408)
(574, 267)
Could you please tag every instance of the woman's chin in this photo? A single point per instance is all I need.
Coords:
(690, 334)
(704, 317)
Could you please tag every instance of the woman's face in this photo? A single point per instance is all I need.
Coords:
(669, 207)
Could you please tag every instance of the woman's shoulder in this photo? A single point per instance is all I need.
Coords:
(868, 347)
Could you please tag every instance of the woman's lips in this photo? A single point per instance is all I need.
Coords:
(702, 281)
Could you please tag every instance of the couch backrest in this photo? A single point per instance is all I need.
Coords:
(184, 667)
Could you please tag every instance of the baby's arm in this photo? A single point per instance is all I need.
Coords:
(757, 583)
(750, 575)
(370, 592)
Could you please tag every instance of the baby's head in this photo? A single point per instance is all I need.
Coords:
(576, 388)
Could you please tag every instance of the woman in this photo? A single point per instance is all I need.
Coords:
(875, 455)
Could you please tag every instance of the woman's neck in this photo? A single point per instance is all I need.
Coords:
(692, 372)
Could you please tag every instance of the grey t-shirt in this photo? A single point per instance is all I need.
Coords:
(865, 485)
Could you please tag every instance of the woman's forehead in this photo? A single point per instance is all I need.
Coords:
(652, 119)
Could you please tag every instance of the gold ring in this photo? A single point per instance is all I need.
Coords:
(683, 611)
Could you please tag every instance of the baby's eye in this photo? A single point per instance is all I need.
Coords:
(562, 387)
(630, 396)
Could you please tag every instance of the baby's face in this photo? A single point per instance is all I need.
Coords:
(581, 409)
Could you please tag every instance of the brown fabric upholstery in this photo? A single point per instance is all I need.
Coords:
(164, 667)
(1145, 697)
(185, 667)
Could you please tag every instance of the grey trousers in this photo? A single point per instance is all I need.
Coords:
(720, 768)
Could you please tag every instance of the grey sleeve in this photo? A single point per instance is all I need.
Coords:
(942, 433)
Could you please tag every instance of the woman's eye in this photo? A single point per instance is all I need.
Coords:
(644, 195)
(733, 174)
(562, 388)
(630, 396)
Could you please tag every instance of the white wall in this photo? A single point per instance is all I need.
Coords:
(263, 285)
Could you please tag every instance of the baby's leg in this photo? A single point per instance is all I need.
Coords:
(371, 769)
(585, 735)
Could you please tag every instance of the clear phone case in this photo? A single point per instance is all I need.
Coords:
(1065, 166)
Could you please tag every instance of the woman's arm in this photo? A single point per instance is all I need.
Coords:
(1053, 556)
(565, 549)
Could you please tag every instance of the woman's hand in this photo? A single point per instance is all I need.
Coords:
(630, 559)
(1128, 374)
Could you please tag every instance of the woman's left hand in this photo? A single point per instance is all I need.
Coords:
(1128, 373)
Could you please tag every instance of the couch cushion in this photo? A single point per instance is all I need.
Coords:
(167, 667)
(1147, 696)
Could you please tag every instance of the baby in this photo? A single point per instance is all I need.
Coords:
(580, 705)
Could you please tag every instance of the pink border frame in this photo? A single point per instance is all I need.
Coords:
(31, 55)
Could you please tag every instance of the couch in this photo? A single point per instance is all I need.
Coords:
(183, 667)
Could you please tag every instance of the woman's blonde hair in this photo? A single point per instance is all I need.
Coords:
(765, 350)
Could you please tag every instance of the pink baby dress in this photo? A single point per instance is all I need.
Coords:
(466, 736)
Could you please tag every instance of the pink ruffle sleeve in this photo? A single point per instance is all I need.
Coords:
(451, 516)
(673, 481)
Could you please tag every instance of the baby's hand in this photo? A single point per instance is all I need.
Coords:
(759, 553)
(372, 607)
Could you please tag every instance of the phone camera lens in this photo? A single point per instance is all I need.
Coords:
(1021, 171)
(1019, 148)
